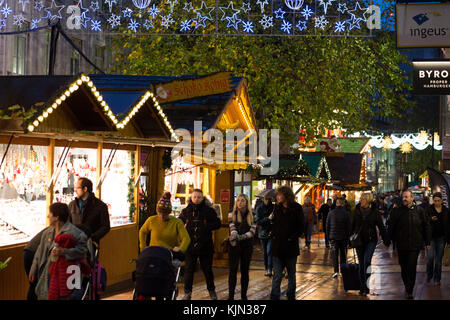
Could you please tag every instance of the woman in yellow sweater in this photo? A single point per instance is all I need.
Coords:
(165, 230)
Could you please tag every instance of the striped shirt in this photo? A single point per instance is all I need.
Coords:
(240, 228)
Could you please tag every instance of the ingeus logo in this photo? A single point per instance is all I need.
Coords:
(425, 32)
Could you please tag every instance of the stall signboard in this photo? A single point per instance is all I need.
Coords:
(225, 196)
(446, 148)
(423, 25)
(190, 88)
(431, 77)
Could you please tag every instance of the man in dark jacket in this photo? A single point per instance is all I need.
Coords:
(200, 220)
(288, 227)
(410, 229)
(323, 215)
(264, 225)
(338, 229)
(89, 213)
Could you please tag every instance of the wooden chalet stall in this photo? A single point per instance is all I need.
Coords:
(54, 129)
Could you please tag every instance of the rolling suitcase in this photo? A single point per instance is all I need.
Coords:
(350, 275)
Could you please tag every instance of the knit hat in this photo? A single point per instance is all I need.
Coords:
(164, 205)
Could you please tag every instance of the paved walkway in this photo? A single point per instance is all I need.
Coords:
(314, 282)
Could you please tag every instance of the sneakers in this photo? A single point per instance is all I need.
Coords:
(213, 295)
(335, 275)
(187, 296)
(268, 273)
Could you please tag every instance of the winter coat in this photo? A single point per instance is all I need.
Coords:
(366, 226)
(95, 219)
(309, 213)
(288, 226)
(244, 232)
(58, 270)
(338, 224)
(445, 221)
(41, 260)
(200, 220)
(409, 228)
(262, 220)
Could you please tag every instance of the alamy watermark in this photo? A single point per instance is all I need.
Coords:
(236, 142)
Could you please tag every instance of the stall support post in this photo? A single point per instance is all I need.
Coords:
(50, 170)
(137, 168)
(205, 185)
(156, 172)
(212, 182)
(98, 192)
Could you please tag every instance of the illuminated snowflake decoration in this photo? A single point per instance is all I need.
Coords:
(18, 20)
(96, 25)
(339, 26)
(248, 27)
(321, 22)
(266, 22)
(286, 27)
(307, 12)
(34, 23)
(166, 21)
(114, 20)
(6, 11)
(127, 13)
(148, 24)
(133, 25)
(154, 11)
(185, 25)
(38, 5)
(301, 25)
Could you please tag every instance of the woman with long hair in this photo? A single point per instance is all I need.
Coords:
(242, 231)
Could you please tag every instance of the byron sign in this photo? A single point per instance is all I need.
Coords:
(423, 25)
(431, 77)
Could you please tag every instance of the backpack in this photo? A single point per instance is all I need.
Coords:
(99, 277)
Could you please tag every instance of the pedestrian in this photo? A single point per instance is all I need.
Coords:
(438, 216)
(364, 223)
(346, 204)
(89, 213)
(200, 219)
(410, 229)
(425, 203)
(58, 218)
(242, 231)
(309, 213)
(288, 226)
(323, 215)
(334, 198)
(338, 229)
(264, 226)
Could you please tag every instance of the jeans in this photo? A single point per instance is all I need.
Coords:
(434, 259)
(308, 233)
(239, 255)
(265, 245)
(408, 263)
(278, 266)
(339, 248)
(205, 264)
(365, 254)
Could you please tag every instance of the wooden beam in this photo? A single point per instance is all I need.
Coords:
(137, 168)
(98, 192)
(50, 170)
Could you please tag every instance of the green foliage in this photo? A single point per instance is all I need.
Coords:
(417, 161)
(293, 81)
(3, 265)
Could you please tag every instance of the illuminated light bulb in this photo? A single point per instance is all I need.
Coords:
(58, 101)
(96, 93)
(127, 119)
(41, 118)
(50, 110)
(103, 104)
(30, 127)
(63, 98)
(90, 84)
(71, 89)
(36, 123)
(115, 121)
(100, 99)
(75, 87)
(106, 108)
(67, 93)
(79, 82)
(87, 78)
(83, 78)
(45, 114)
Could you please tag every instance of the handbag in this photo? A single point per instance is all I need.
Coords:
(446, 258)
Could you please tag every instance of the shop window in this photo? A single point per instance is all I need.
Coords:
(47, 42)
(20, 47)
(22, 193)
(99, 57)
(118, 187)
(75, 57)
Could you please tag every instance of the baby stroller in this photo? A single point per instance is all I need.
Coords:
(157, 273)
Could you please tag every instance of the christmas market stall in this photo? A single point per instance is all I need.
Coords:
(54, 129)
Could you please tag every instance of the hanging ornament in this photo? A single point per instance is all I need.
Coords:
(406, 147)
(387, 141)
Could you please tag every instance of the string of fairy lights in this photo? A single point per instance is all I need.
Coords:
(83, 79)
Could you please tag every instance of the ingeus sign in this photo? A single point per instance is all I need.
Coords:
(431, 77)
(423, 25)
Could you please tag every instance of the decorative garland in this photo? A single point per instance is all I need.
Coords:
(130, 196)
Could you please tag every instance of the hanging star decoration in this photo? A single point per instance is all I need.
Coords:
(246, 7)
(38, 5)
(199, 21)
(234, 12)
(133, 25)
(188, 7)
(52, 10)
(114, 20)
(127, 12)
(110, 4)
(94, 6)
(358, 13)
(342, 8)
(24, 3)
(266, 22)
(207, 9)
(286, 27)
(96, 25)
(185, 25)
(325, 4)
(233, 22)
(301, 25)
(148, 24)
(279, 14)
(6, 11)
(262, 3)
(82, 19)
(307, 12)
(353, 23)
(248, 27)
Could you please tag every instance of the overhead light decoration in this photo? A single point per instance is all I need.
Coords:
(423, 136)
(387, 141)
(75, 86)
(394, 141)
(243, 113)
(406, 147)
